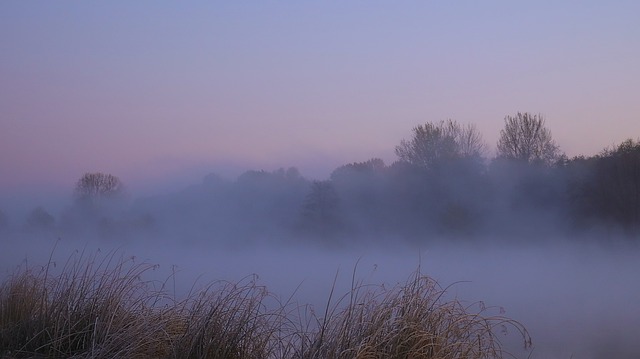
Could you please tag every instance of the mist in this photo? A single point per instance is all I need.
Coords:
(575, 302)
(505, 238)
(274, 142)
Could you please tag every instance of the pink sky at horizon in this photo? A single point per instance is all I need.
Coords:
(164, 93)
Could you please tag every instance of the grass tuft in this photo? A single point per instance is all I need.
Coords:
(411, 320)
(101, 307)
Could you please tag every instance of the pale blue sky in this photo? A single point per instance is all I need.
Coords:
(160, 92)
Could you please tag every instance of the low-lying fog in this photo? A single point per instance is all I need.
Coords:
(555, 247)
(576, 302)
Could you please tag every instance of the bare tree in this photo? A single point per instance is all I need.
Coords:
(96, 186)
(433, 143)
(470, 141)
(525, 138)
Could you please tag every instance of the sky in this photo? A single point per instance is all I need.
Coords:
(162, 93)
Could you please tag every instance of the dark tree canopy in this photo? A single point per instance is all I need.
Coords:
(96, 186)
(525, 138)
(615, 185)
(370, 167)
(320, 211)
(435, 143)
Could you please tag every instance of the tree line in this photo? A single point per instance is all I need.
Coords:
(442, 186)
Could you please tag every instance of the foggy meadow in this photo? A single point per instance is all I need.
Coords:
(528, 235)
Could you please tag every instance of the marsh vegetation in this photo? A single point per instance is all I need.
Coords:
(101, 306)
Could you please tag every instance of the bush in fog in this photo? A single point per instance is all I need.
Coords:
(361, 187)
(269, 202)
(527, 200)
(321, 213)
(40, 219)
(255, 204)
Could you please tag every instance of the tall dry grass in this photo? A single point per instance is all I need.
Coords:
(101, 306)
(412, 320)
(90, 307)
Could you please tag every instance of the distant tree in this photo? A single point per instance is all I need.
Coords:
(262, 202)
(361, 189)
(436, 143)
(268, 184)
(320, 212)
(39, 218)
(367, 168)
(291, 174)
(469, 141)
(613, 189)
(525, 138)
(93, 187)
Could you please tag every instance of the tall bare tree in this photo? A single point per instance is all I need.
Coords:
(526, 138)
(434, 143)
(470, 141)
(92, 187)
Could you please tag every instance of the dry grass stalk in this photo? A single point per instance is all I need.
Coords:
(408, 321)
(100, 307)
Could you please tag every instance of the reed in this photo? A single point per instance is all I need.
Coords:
(410, 320)
(100, 306)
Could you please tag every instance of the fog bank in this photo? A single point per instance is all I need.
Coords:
(576, 302)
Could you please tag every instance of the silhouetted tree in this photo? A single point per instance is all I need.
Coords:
(361, 189)
(93, 187)
(580, 185)
(320, 212)
(99, 199)
(411, 204)
(430, 143)
(525, 138)
(614, 187)
(435, 143)
(469, 140)
(345, 172)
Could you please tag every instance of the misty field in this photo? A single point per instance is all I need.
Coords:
(101, 306)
